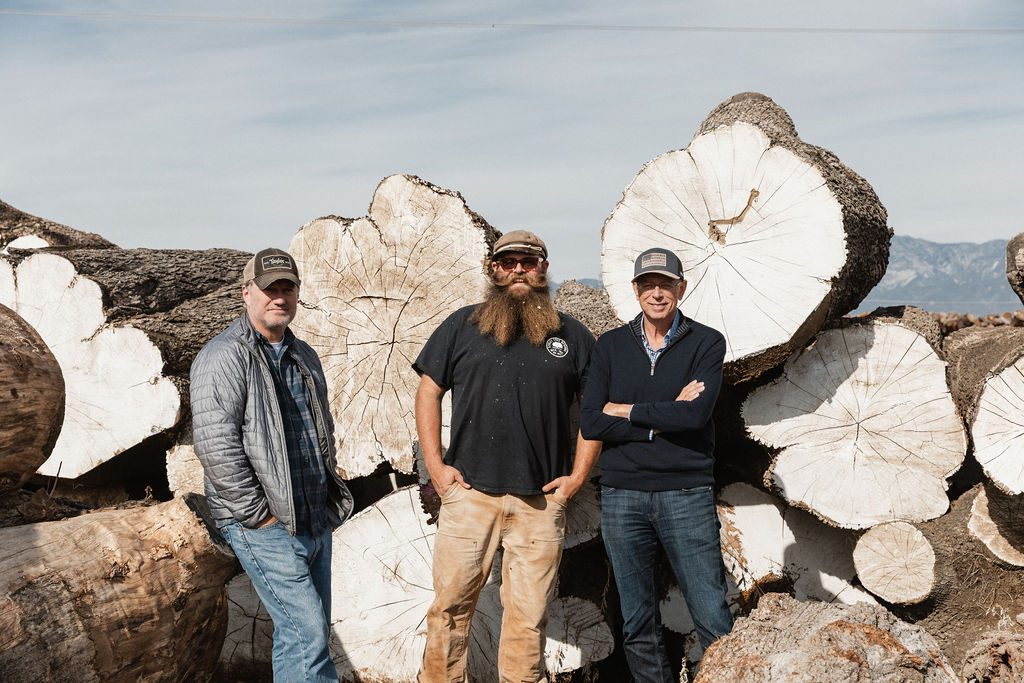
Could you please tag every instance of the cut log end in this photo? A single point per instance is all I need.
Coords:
(896, 562)
(866, 426)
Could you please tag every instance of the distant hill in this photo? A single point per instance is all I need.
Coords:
(961, 277)
(588, 281)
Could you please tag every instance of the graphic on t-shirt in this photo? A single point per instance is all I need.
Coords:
(557, 347)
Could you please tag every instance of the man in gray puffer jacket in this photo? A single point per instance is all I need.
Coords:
(264, 434)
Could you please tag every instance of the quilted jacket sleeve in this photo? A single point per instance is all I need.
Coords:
(218, 393)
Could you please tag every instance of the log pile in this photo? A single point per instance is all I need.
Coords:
(870, 479)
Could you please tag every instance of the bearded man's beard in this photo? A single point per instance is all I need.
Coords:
(506, 315)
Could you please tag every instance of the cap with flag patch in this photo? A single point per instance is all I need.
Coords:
(660, 261)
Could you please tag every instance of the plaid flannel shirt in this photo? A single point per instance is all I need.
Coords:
(305, 464)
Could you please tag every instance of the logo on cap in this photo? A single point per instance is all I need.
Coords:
(276, 261)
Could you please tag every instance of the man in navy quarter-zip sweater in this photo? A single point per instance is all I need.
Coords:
(649, 396)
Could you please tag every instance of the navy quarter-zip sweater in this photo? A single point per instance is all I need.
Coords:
(681, 453)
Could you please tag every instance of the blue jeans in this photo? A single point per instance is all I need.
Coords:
(292, 576)
(685, 523)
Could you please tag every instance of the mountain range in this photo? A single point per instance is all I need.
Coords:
(961, 277)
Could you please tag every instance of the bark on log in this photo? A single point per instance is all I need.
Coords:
(19, 230)
(976, 592)
(776, 235)
(31, 400)
(1015, 264)
(124, 326)
(787, 640)
(373, 290)
(987, 375)
(896, 562)
(997, 659)
(119, 595)
(588, 305)
(867, 427)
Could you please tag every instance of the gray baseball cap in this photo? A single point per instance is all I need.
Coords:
(660, 261)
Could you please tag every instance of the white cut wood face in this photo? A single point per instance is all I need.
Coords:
(762, 537)
(762, 278)
(116, 394)
(896, 562)
(998, 428)
(250, 633)
(383, 585)
(374, 290)
(997, 525)
(867, 427)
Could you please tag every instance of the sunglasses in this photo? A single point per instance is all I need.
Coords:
(527, 262)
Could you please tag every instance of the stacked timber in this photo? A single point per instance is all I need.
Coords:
(870, 467)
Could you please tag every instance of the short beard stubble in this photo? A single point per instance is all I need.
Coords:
(506, 316)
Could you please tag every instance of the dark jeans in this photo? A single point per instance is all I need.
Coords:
(685, 523)
(292, 576)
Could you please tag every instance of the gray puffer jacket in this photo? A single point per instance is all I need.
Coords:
(238, 431)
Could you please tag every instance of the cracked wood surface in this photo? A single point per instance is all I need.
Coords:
(373, 290)
(31, 400)
(865, 423)
(112, 596)
(896, 562)
(775, 235)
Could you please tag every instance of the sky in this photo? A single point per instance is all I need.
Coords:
(231, 124)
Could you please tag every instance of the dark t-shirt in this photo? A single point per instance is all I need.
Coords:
(510, 406)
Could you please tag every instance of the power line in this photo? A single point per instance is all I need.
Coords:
(520, 26)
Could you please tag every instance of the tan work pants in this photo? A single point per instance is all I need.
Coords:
(472, 525)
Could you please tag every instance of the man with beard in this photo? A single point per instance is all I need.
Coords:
(514, 366)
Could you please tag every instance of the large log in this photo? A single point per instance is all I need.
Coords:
(1015, 264)
(19, 230)
(986, 370)
(124, 326)
(776, 235)
(119, 595)
(866, 426)
(787, 640)
(31, 400)
(996, 522)
(373, 289)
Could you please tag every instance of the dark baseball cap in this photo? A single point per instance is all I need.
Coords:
(660, 261)
(270, 265)
(521, 241)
